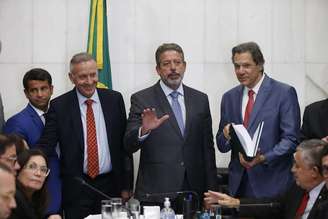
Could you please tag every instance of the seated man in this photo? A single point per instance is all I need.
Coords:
(7, 191)
(300, 201)
(8, 154)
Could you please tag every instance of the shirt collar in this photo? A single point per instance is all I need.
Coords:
(257, 86)
(38, 111)
(82, 98)
(167, 90)
(316, 190)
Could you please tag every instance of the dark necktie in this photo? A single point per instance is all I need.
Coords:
(177, 110)
(92, 147)
(301, 208)
(249, 107)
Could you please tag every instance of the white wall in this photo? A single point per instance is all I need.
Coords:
(46, 33)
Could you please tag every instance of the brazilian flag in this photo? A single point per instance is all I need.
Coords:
(98, 42)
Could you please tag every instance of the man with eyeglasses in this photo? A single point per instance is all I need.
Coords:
(257, 99)
(7, 191)
(302, 200)
(171, 124)
(8, 154)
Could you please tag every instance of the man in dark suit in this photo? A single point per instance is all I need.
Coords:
(29, 124)
(89, 124)
(171, 124)
(315, 121)
(257, 99)
(302, 200)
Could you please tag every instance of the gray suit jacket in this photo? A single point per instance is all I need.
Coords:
(166, 156)
(2, 118)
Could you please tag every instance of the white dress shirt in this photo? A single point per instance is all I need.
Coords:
(102, 140)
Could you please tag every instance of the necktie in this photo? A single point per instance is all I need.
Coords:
(301, 208)
(177, 110)
(92, 147)
(249, 107)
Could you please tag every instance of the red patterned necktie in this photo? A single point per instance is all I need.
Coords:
(92, 147)
(301, 208)
(249, 107)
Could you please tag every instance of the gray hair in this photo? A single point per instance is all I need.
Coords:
(253, 49)
(165, 47)
(311, 151)
(78, 58)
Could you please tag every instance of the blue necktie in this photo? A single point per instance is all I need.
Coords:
(177, 110)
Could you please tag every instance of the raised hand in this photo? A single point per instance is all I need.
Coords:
(150, 120)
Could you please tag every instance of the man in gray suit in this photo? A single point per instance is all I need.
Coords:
(171, 124)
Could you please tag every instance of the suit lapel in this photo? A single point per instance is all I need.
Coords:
(35, 118)
(106, 108)
(76, 118)
(261, 97)
(189, 111)
(165, 107)
(238, 104)
(322, 197)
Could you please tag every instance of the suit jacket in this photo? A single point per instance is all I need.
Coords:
(24, 209)
(2, 118)
(315, 120)
(166, 156)
(276, 104)
(288, 204)
(64, 125)
(29, 126)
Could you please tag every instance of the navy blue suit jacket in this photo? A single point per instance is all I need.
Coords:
(276, 104)
(28, 125)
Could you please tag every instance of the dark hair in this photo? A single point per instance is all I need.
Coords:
(253, 49)
(165, 47)
(5, 142)
(40, 197)
(312, 151)
(19, 142)
(37, 74)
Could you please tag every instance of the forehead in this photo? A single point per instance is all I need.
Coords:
(37, 159)
(37, 83)
(85, 67)
(325, 160)
(170, 55)
(245, 57)
(10, 150)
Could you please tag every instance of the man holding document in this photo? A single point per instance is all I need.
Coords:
(269, 112)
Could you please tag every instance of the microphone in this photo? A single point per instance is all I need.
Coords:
(83, 182)
(268, 205)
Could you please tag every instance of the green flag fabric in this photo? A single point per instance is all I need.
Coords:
(98, 42)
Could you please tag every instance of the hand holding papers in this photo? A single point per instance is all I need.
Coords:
(243, 142)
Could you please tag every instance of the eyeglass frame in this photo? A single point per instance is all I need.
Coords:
(11, 159)
(34, 167)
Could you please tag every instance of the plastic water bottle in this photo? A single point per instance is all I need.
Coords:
(167, 212)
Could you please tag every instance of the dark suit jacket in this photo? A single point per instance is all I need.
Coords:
(166, 156)
(28, 124)
(315, 120)
(277, 105)
(64, 125)
(288, 205)
(24, 208)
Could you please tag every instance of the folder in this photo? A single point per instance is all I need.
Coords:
(243, 142)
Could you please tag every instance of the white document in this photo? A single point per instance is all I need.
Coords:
(249, 144)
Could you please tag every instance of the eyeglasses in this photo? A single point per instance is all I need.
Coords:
(34, 167)
(10, 159)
